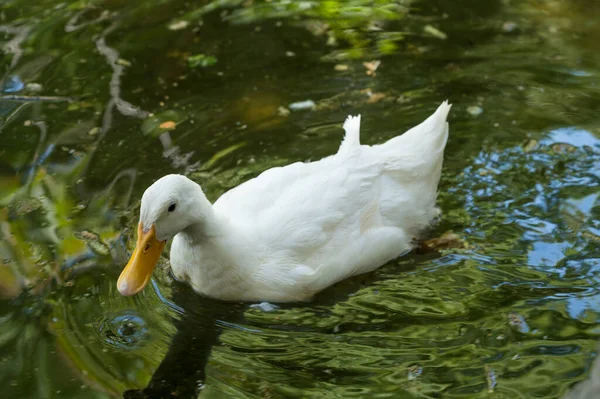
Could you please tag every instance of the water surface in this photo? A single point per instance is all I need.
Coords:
(86, 87)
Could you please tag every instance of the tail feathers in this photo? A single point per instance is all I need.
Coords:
(433, 131)
(422, 147)
(352, 136)
(429, 136)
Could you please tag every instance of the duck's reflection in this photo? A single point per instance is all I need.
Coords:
(181, 374)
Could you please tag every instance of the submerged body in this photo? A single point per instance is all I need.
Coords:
(293, 231)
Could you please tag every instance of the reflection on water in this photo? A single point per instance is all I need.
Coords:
(97, 101)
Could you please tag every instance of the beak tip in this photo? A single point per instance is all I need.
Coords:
(123, 288)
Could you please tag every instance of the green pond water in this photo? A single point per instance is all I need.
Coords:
(100, 98)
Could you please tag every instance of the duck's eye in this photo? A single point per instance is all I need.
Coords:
(172, 207)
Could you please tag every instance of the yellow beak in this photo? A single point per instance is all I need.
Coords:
(139, 269)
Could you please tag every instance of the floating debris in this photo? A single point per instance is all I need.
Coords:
(435, 32)
(372, 67)
(290, 54)
(34, 87)
(265, 307)
(156, 125)
(222, 154)
(178, 25)
(94, 131)
(283, 111)
(475, 110)
(201, 60)
(302, 105)
(168, 125)
(123, 62)
(446, 241)
(341, 67)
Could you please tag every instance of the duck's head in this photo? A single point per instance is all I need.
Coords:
(169, 206)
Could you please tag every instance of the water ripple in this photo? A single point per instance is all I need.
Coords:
(126, 330)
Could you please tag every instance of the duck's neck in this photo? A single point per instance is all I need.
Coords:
(207, 226)
(208, 255)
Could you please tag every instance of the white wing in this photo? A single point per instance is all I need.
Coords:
(345, 214)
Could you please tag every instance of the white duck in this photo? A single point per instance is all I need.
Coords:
(295, 230)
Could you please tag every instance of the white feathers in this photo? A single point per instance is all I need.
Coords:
(433, 131)
(352, 129)
(352, 136)
(294, 230)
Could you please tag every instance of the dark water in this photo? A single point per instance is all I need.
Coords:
(86, 86)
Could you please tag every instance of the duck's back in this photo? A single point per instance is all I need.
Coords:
(348, 213)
